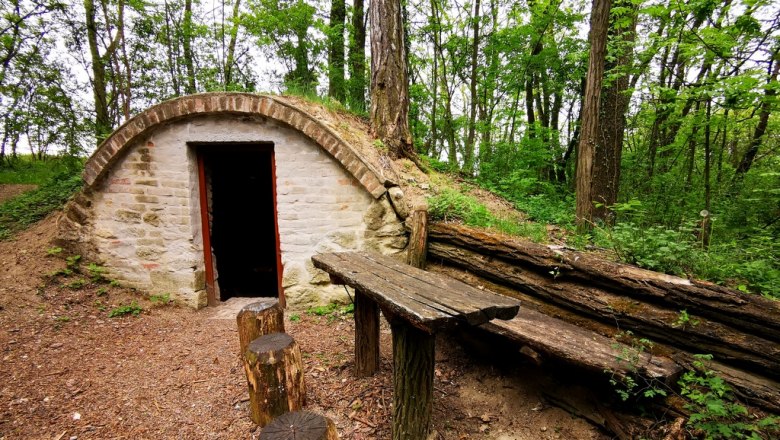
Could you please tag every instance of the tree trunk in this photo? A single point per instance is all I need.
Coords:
(612, 121)
(389, 81)
(300, 425)
(763, 121)
(589, 138)
(336, 81)
(357, 58)
(468, 156)
(231, 52)
(189, 63)
(103, 123)
(274, 373)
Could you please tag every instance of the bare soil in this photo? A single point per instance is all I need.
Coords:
(68, 371)
(11, 190)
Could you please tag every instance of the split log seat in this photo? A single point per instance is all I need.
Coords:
(582, 348)
(417, 304)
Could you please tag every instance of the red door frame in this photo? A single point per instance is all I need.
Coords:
(205, 224)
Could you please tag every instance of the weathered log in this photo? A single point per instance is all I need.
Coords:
(727, 344)
(758, 315)
(300, 425)
(366, 335)
(418, 238)
(413, 360)
(274, 373)
(582, 348)
(258, 319)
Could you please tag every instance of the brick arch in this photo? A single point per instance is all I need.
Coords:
(245, 104)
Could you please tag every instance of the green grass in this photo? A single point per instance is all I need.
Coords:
(450, 204)
(20, 212)
(26, 170)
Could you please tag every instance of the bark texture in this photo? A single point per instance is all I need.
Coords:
(258, 319)
(389, 79)
(589, 137)
(274, 373)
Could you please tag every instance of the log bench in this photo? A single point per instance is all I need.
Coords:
(583, 348)
(417, 304)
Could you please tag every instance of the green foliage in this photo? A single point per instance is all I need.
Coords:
(77, 284)
(54, 251)
(450, 205)
(631, 385)
(332, 311)
(714, 412)
(161, 299)
(25, 169)
(295, 317)
(123, 310)
(685, 320)
(20, 212)
(96, 272)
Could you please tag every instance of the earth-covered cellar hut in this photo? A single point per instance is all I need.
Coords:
(217, 195)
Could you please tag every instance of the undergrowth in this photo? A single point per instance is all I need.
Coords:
(20, 212)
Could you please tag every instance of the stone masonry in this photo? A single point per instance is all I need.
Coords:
(140, 212)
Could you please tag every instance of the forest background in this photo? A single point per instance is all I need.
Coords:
(685, 172)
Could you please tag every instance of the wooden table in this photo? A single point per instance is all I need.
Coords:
(417, 304)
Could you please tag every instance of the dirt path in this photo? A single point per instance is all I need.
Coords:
(11, 190)
(69, 371)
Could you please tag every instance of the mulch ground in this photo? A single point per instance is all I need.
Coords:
(69, 371)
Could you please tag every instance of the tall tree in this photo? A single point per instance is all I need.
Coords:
(357, 58)
(589, 137)
(389, 80)
(614, 105)
(468, 154)
(101, 65)
(770, 94)
(336, 81)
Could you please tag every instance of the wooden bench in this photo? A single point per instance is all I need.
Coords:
(417, 304)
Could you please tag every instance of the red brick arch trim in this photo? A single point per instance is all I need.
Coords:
(245, 104)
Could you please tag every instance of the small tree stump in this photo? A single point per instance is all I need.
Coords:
(258, 319)
(300, 425)
(274, 374)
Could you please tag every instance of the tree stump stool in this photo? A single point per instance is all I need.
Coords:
(300, 425)
(258, 319)
(274, 374)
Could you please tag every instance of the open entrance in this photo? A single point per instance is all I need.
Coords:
(241, 241)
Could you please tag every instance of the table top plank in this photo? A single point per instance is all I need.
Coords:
(427, 300)
(482, 305)
(401, 304)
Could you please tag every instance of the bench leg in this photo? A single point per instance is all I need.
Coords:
(366, 335)
(413, 358)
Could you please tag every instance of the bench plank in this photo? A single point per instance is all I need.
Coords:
(575, 345)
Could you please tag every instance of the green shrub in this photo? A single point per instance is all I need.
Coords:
(128, 309)
(714, 412)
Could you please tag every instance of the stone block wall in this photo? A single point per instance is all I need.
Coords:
(142, 220)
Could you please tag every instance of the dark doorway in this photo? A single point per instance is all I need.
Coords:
(240, 188)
